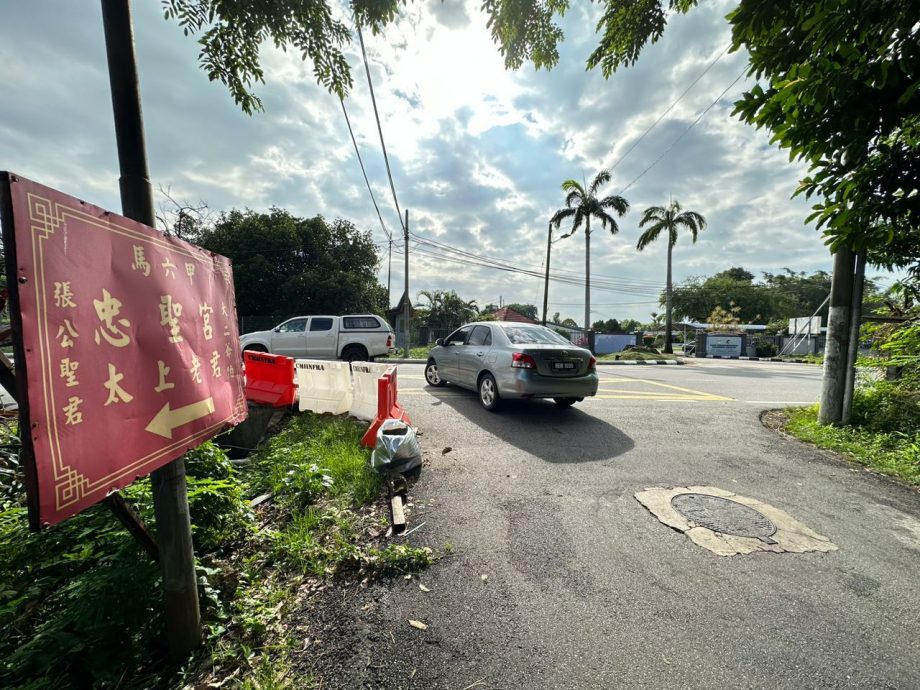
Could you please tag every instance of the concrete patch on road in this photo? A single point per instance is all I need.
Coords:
(766, 528)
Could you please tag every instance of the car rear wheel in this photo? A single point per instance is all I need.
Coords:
(488, 393)
(565, 402)
(354, 353)
(432, 376)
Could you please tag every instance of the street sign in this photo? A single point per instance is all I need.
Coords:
(127, 350)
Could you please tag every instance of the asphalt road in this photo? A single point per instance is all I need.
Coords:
(556, 577)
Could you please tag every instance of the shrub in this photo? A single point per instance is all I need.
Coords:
(888, 407)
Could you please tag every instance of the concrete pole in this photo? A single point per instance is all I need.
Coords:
(838, 336)
(549, 245)
(853, 349)
(407, 314)
(170, 500)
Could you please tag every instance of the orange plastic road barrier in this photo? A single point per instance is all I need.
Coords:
(387, 406)
(269, 379)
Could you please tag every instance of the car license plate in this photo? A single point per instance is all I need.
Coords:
(563, 365)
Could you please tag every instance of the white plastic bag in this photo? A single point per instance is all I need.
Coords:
(397, 448)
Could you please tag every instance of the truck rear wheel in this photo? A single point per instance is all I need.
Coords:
(354, 353)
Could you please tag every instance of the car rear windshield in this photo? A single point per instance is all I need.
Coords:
(528, 335)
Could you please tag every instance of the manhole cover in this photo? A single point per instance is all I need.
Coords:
(724, 516)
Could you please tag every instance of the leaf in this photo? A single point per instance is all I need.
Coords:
(418, 624)
(423, 588)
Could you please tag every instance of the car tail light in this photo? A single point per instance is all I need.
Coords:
(389, 341)
(592, 363)
(521, 361)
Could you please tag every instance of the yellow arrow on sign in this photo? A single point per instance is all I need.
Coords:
(167, 419)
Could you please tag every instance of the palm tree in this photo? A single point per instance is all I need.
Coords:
(668, 219)
(580, 205)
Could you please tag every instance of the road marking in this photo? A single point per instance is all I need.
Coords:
(779, 402)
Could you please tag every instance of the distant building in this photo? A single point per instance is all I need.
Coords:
(508, 314)
(397, 318)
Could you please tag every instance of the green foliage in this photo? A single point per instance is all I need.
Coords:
(528, 310)
(778, 297)
(894, 453)
(233, 31)
(315, 456)
(79, 601)
(285, 266)
(765, 348)
(838, 88)
(445, 309)
(12, 487)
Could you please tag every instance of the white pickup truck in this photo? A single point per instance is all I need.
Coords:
(354, 338)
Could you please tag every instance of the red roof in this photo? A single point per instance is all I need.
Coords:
(507, 314)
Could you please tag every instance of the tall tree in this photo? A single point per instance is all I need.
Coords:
(668, 220)
(284, 265)
(581, 205)
(446, 309)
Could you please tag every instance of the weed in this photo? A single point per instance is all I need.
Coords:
(896, 453)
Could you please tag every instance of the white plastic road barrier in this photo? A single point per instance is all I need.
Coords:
(324, 386)
(365, 375)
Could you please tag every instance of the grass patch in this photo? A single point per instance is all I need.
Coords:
(809, 359)
(893, 453)
(420, 352)
(81, 604)
(636, 356)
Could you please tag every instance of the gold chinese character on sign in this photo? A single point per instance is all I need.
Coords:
(66, 333)
(190, 272)
(72, 410)
(164, 372)
(140, 260)
(196, 369)
(107, 309)
(215, 364)
(116, 392)
(231, 372)
(169, 267)
(63, 296)
(228, 351)
(223, 309)
(169, 316)
(204, 311)
(69, 372)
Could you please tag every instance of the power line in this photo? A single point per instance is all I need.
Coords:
(364, 172)
(671, 107)
(681, 136)
(383, 146)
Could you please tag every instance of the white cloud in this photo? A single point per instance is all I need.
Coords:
(477, 152)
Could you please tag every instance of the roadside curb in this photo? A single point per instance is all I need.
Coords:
(762, 359)
(600, 362)
(614, 362)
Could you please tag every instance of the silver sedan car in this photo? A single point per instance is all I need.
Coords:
(504, 360)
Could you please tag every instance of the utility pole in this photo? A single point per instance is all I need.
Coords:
(170, 499)
(838, 335)
(853, 350)
(406, 306)
(549, 244)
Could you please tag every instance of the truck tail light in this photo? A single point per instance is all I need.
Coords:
(521, 361)
(592, 364)
(389, 341)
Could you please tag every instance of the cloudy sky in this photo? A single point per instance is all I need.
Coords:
(477, 152)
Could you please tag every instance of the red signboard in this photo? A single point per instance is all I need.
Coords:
(129, 341)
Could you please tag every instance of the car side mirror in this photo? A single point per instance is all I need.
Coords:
(277, 329)
(439, 341)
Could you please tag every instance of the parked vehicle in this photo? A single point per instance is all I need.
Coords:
(689, 348)
(503, 360)
(354, 338)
